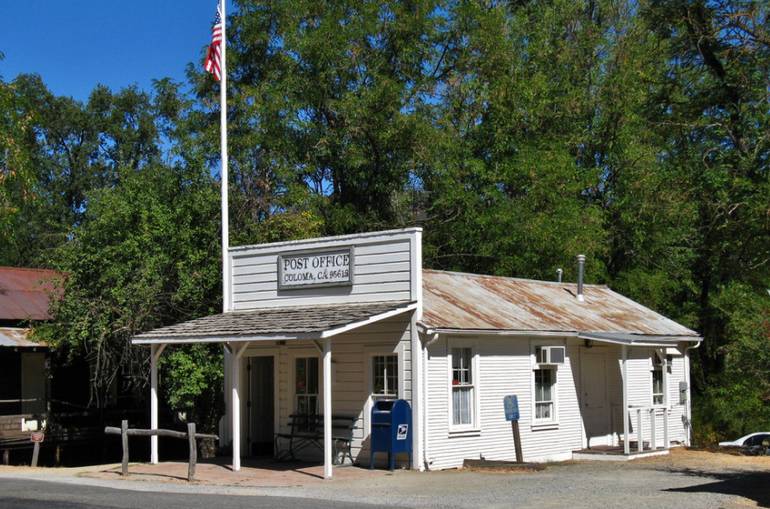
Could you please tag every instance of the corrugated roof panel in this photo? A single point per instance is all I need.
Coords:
(454, 300)
(25, 293)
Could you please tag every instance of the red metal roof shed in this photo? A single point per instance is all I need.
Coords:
(25, 294)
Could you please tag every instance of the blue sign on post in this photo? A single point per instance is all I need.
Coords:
(511, 404)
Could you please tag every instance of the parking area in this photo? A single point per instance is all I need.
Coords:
(684, 479)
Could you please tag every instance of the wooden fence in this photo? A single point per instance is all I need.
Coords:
(191, 437)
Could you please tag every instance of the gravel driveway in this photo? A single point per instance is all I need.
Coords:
(685, 479)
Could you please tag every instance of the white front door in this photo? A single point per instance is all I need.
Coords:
(595, 406)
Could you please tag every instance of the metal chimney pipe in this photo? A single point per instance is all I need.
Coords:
(559, 274)
(581, 259)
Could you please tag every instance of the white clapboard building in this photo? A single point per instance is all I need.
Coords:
(327, 326)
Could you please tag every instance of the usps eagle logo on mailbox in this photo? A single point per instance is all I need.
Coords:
(402, 431)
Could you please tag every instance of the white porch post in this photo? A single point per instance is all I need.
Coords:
(624, 370)
(155, 351)
(235, 383)
(653, 424)
(666, 396)
(327, 370)
(418, 376)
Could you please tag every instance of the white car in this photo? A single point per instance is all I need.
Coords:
(750, 440)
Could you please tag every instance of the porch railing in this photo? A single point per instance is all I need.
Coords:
(636, 414)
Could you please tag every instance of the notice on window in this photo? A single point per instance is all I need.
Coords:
(320, 268)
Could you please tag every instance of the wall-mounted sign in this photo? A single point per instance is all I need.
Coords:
(317, 268)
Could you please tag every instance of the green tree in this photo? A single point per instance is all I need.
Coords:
(506, 184)
(711, 111)
(59, 151)
(322, 113)
(145, 254)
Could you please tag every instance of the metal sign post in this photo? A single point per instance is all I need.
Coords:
(511, 406)
(36, 438)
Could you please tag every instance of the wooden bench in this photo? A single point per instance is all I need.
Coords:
(307, 430)
(12, 440)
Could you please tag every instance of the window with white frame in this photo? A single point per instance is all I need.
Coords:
(306, 385)
(658, 390)
(463, 387)
(545, 389)
(385, 376)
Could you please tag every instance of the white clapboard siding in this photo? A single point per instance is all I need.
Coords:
(678, 413)
(639, 387)
(505, 367)
(249, 269)
(383, 270)
(350, 385)
(640, 394)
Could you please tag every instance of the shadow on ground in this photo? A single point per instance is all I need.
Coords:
(299, 467)
(753, 485)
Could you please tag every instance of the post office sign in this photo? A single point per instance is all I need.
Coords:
(315, 269)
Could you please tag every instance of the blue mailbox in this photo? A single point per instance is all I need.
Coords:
(391, 430)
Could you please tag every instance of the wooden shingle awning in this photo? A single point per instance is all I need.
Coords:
(280, 323)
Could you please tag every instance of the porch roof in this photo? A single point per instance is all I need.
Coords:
(18, 338)
(296, 322)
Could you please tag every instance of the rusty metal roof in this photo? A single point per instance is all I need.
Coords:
(460, 301)
(25, 293)
(18, 338)
(293, 322)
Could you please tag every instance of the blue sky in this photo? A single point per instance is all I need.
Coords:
(76, 44)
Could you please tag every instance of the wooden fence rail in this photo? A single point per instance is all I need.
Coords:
(191, 437)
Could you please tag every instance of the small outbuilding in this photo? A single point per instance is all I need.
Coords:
(24, 300)
(318, 330)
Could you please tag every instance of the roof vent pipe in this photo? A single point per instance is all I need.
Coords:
(581, 259)
(559, 274)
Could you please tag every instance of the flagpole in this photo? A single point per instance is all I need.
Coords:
(224, 174)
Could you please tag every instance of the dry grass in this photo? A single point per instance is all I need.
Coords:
(707, 461)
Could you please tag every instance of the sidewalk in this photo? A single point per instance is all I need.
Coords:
(253, 473)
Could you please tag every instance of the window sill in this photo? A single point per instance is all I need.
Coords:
(542, 426)
(458, 433)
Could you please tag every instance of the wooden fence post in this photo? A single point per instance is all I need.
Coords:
(517, 441)
(191, 436)
(124, 441)
(193, 451)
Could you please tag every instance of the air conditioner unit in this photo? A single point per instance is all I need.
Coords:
(550, 354)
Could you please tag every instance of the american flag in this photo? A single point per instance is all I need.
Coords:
(214, 55)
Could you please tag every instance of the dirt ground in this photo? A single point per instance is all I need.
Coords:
(693, 459)
(253, 473)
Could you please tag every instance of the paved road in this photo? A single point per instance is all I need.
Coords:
(26, 494)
